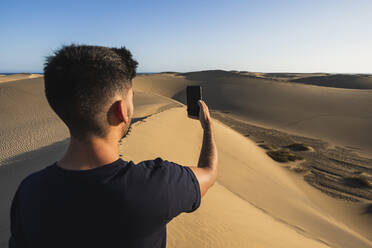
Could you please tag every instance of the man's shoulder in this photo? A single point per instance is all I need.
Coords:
(35, 178)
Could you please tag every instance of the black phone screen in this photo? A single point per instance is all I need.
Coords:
(194, 93)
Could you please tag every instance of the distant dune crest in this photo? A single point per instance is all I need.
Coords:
(19, 76)
(347, 81)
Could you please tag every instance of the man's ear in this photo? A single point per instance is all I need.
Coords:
(121, 111)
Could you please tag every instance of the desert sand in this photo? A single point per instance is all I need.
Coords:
(20, 76)
(335, 114)
(256, 201)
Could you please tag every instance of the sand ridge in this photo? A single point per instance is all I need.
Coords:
(16, 77)
(338, 115)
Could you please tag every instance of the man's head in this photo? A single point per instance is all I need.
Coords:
(90, 89)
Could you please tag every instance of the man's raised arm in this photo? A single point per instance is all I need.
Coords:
(206, 172)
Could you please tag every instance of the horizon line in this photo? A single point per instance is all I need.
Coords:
(158, 72)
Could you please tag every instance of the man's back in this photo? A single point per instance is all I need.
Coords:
(120, 204)
(85, 199)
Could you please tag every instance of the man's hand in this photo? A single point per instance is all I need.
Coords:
(204, 115)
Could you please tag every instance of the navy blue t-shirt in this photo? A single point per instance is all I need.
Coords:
(121, 204)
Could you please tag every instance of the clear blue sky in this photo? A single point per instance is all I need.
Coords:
(268, 36)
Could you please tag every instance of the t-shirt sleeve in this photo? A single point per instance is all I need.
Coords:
(183, 190)
(159, 190)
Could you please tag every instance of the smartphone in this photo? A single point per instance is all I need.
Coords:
(194, 93)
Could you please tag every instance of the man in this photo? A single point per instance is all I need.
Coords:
(91, 197)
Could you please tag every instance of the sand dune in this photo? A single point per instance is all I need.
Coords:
(20, 76)
(288, 76)
(340, 116)
(339, 81)
(347, 81)
(235, 223)
(27, 122)
(255, 202)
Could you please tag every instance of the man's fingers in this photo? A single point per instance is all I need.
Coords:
(202, 105)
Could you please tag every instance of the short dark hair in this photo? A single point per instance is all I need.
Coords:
(79, 82)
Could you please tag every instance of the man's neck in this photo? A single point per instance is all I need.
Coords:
(89, 154)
